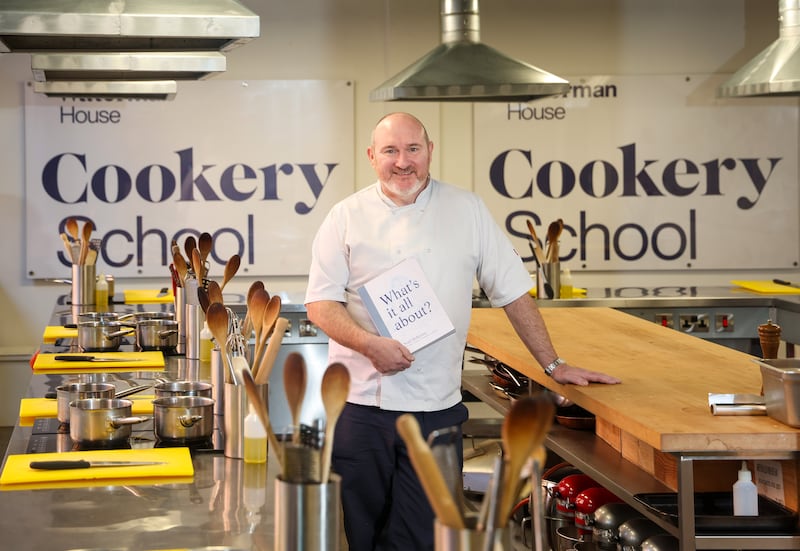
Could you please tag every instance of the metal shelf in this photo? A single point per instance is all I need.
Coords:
(604, 464)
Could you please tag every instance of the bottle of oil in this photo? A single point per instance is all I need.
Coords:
(101, 293)
(255, 438)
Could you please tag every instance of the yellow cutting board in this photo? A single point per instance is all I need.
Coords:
(31, 409)
(145, 296)
(144, 360)
(177, 466)
(54, 332)
(767, 287)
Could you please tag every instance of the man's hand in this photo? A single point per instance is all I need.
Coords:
(388, 355)
(569, 374)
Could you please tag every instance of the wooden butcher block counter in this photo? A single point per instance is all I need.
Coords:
(661, 408)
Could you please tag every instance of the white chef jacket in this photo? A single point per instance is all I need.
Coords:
(451, 233)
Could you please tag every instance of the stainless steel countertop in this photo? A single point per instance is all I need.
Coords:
(216, 509)
(669, 297)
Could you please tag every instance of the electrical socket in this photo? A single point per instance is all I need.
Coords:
(724, 323)
(694, 323)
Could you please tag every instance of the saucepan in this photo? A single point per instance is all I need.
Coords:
(79, 391)
(183, 418)
(101, 336)
(157, 334)
(102, 421)
(166, 389)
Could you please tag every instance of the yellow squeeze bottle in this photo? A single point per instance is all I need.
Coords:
(101, 292)
(255, 438)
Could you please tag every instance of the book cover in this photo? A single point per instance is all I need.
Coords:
(404, 306)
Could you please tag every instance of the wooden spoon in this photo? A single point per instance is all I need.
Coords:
(180, 266)
(86, 237)
(204, 243)
(334, 387)
(202, 296)
(267, 324)
(215, 292)
(67, 247)
(197, 265)
(271, 313)
(217, 318)
(537, 247)
(263, 414)
(231, 267)
(524, 428)
(553, 234)
(439, 495)
(72, 228)
(294, 384)
(254, 287)
(255, 313)
(188, 246)
(273, 346)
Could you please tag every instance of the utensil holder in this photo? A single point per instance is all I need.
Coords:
(193, 326)
(84, 280)
(180, 315)
(469, 538)
(218, 381)
(308, 516)
(548, 278)
(236, 407)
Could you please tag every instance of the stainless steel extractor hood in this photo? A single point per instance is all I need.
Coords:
(776, 70)
(149, 90)
(124, 25)
(463, 69)
(151, 66)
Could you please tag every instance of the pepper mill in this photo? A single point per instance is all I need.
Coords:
(769, 335)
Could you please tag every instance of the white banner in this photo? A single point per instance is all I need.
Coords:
(647, 172)
(256, 164)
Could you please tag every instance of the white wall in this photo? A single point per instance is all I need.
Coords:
(368, 41)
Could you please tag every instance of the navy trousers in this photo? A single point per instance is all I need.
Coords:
(384, 505)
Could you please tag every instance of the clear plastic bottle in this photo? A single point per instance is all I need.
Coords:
(101, 292)
(745, 494)
(255, 438)
(566, 284)
(206, 344)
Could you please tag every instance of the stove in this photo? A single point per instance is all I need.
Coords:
(48, 435)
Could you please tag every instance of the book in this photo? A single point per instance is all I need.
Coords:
(404, 306)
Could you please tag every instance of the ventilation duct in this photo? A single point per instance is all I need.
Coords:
(776, 70)
(152, 90)
(127, 66)
(461, 68)
(124, 25)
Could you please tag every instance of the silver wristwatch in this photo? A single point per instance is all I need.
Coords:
(553, 365)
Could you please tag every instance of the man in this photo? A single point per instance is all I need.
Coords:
(452, 235)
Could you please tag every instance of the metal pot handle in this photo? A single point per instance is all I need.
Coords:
(117, 422)
(164, 334)
(120, 333)
(188, 421)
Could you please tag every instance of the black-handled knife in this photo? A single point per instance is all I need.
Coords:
(83, 358)
(58, 465)
(784, 282)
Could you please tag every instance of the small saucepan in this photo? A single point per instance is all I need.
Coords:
(102, 421)
(65, 394)
(167, 389)
(183, 418)
(157, 334)
(101, 336)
